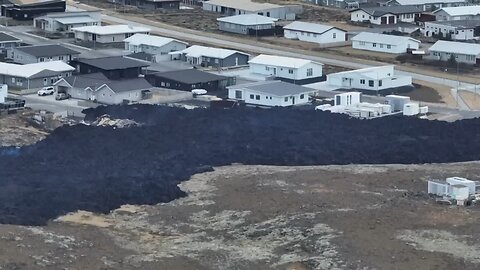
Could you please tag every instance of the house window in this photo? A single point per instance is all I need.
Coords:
(257, 97)
(380, 83)
(308, 34)
(42, 59)
(45, 81)
(286, 99)
(60, 57)
(381, 46)
(302, 96)
(374, 44)
(370, 83)
(290, 71)
(267, 68)
(216, 61)
(334, 35)
(362, 81)
(238, 94)
(314, 35)
(361, 43)
(389, 46)
(252, 96)
(309, 72)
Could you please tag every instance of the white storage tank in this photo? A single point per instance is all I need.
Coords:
(3, 93)
(462, 181)
(411, 109)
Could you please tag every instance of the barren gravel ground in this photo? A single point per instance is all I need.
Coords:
(16, 131)
(263, 217)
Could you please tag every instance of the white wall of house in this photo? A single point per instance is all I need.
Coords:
(384, 47)
(3, 92)
(384, 79)
(360, 16)
(161, 53)
(307, 71)
(22, 58)
(52, 25)
(113, 38)
(257, 98)
(331, 36)
(107, 96)
(444, 56)
(279, 12)
(432, 28)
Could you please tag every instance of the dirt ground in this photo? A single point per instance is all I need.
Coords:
(433, 93)
(471, 99)
(259, 217)
(16, 130)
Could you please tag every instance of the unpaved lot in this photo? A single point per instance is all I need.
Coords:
(16, 130)
(262, 217)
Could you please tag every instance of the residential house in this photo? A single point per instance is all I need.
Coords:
(368, 80)
(428, 5)
(113, 67)
(108, 33)
(454, 30)
(468, 53)
(238, 7)
(42, 53)
(270, 93)
(344, 4)
(458, 13)
(386, 14)
(65, 21)
(28, 9)
(294, 70)
(242, 24)
(158, 47)
(7, 42)
(31, 76)
(384, 43)
(188, 79)
(157, 4)
(97, 87)
(215, 57)
(313, 32)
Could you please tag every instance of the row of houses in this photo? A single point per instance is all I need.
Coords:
(423, 5)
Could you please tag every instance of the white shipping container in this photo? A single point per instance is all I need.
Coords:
(462, 181)
(459, 192)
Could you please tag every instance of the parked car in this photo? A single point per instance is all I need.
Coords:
(47, 90)
(62, 96)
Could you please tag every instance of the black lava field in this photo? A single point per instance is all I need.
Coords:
(100, 168)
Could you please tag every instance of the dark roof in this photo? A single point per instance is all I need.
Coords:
(190, 76)
(113, 62)
(34, 2)
(95, 80)
(275, 88)
(46, 50)
(380, 11)
(6, 37)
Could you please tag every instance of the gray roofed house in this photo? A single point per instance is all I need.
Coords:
(42, 53)
(58, 22)
(8, 41)
(270, 93)
(455, 30)
(4, 37)
(386, 14)
(97, 87)
(188, 79)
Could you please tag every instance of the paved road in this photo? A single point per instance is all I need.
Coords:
(49, 103)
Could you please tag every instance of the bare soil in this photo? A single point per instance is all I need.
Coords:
(263, 217)
(17, 130)
(471, 99)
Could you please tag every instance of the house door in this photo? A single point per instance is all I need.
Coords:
(383, 20)
(478, 61)
(293, 100)
(275, 71)
(391, 20)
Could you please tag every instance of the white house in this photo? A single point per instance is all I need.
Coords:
(428, 5)
(238, 7)
(270, 93)
(468, 53)
(65, 21)
(385, 14)
(209, 56)
(242, 24)
(369, 79)
(312, 32)
(296, 70)
(108, 33)
(456, 30)
(154, 45)
(384, 43)
(458, 13)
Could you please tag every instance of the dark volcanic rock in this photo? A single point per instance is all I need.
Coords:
(101, 168)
